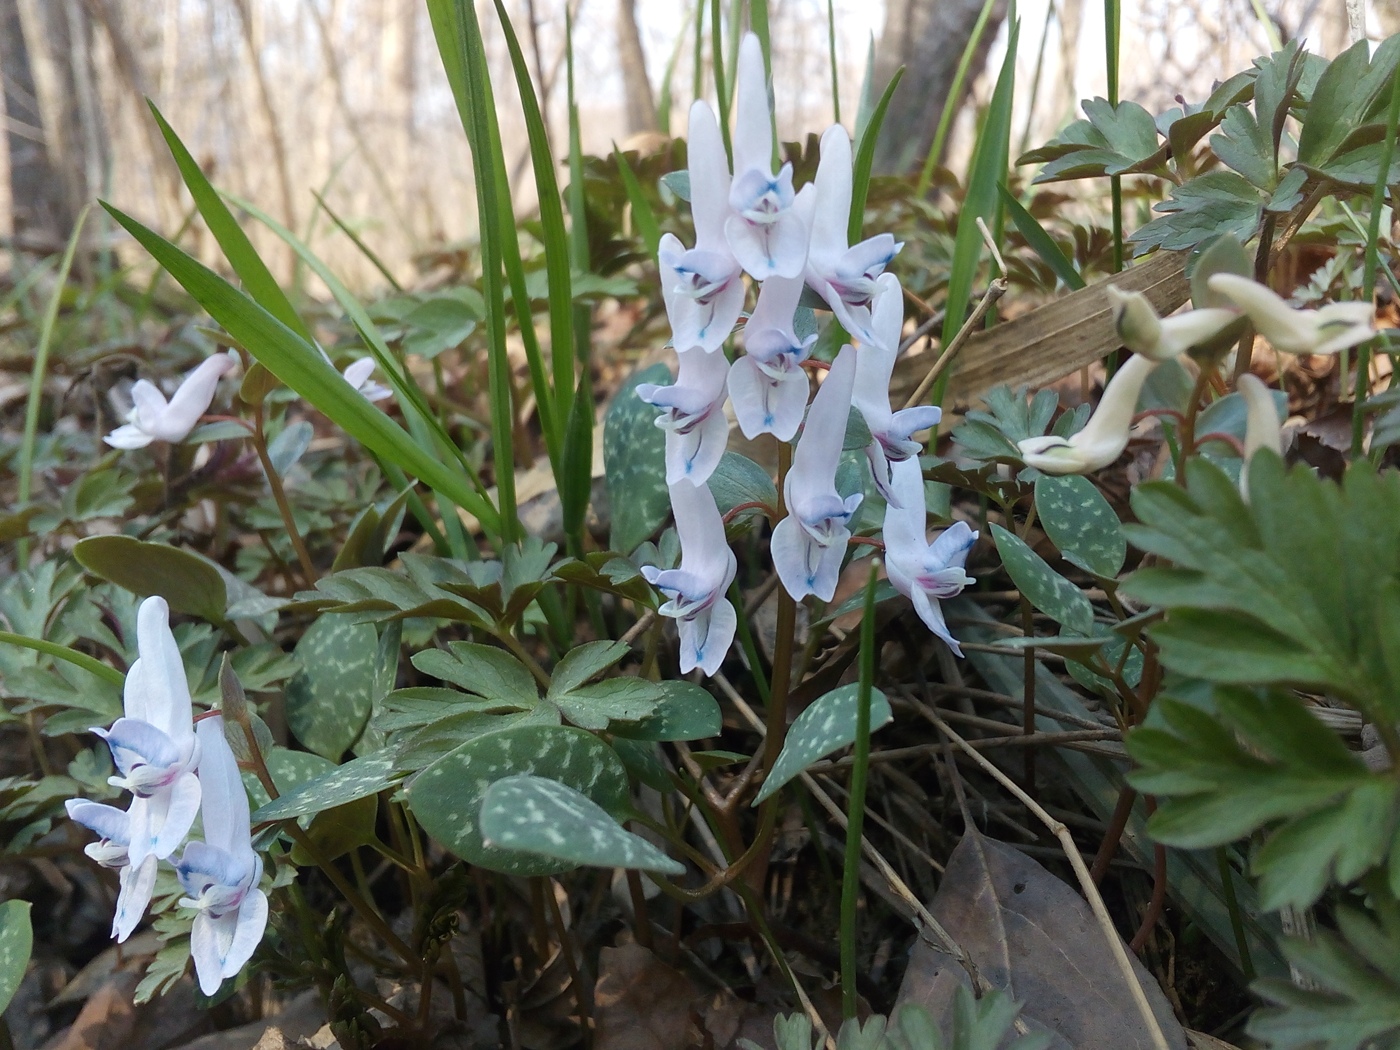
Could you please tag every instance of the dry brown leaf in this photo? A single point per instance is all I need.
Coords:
(106, 1021)
(641, 1003)
(1053, 340)
(1201, 1041)
(1032, 936)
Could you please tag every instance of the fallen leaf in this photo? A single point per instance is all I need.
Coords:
(641, 1003)
(1031, 935)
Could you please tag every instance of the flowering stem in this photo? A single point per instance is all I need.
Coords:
(855, 819)
(274, 482)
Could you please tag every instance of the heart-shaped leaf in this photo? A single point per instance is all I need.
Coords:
(190, 584)
(827, 725)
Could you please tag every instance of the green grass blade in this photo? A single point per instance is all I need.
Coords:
(866, 102)
(299, 365)
(1041, 242)
(986, 171)
(464, 57)
(257, 279)
(950, 105)
(697, 86)
(62, 652)
(865, 158)
(721, 88)
(642, 215)
(359, 243)
(758, 21)
(831, 50)
(40, 369)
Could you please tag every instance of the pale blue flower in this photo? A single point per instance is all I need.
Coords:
(153, 418)
(220, 875)
(768, 385)
(692, 415)
(809, 544)
(136, 883)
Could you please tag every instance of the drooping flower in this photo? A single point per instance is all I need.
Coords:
(136, 883)
(692, 415)
(1327, 330)
(220, 875)
(891, 433)
(358, 373)
(153, 744)
(844, 275)
(1158, 338)
(1104, 437)
(766, 234)
(924, 572)
(703, 287)
(1261, 427)
(809, 544)
(704, 616)
(768, 385)
(153, 418)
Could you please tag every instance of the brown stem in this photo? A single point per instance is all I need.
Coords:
(1116, 823)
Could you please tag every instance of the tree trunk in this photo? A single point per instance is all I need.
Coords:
(56, 131)
(641, 106)
(926, 38)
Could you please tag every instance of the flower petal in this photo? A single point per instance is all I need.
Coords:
(128, 438)
(176, 809)
(706, 638)
(137, 883)
(225, 801)
(248, 932)
(765, 403)
(709, 178)
(818, 451)
(191, 400)
(210, 939)
(167, 699)
(108, 822)
(753, 123)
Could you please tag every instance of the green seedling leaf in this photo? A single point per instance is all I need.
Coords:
(540, 816)
(634, 460)
(16, 942)
(1344, 97)
(1081, 524)
(828, 725)
(446, 796)
(328, 701)
(1210, 205)
(356, 779)
(1114, 140)
(190, 583)
(684, 711)
(1042, 586)
(482, 670)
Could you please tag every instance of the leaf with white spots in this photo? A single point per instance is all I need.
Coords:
(684, 711)
(446, 797)
(1042, 586)
(335, 830)
(482, 670)
(634, 462)
(328, 701)
(827, 725)
(16, 941)
(536, 815)
(359, 778)
(1080, 523)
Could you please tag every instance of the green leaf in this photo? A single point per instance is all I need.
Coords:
(1210, 205)
(190, 583)
(1246, 147)
(16, 942)
(1344, 97)
(328, 701)
(684, 711)
(584, 662)
(359, 778)
(1114, 140)
(634, 459)
(1041, 242)
(827, 725)
(738, 480)
(483, 670)
(624, 699)
(1042, 586)
(1222, 255)
(334, 831)
(1081, 524)
(300, 366)
(544, 817)
(446, 797)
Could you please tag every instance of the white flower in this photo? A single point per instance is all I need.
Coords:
(220, 875)
(1261, 427)
(845, 276)
(154, 419)
(809, 544)
(136, 883)
(1328, 330)
(892, 433)
(765, 232)
(768, 385)
(703, 287)
(358, 373)
(705, 618)
(922, 571)
(1104, 437)
(692, 415)
(1159, 338)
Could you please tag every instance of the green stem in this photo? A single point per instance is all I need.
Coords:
(855, 815)
(36, 382)
(1368, 277)
(62, 652)
(1232, 905)
(279, 495)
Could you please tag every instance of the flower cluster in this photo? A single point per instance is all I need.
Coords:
(176, 772)
(752, 221)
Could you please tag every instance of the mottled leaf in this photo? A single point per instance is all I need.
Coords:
(828, 725)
